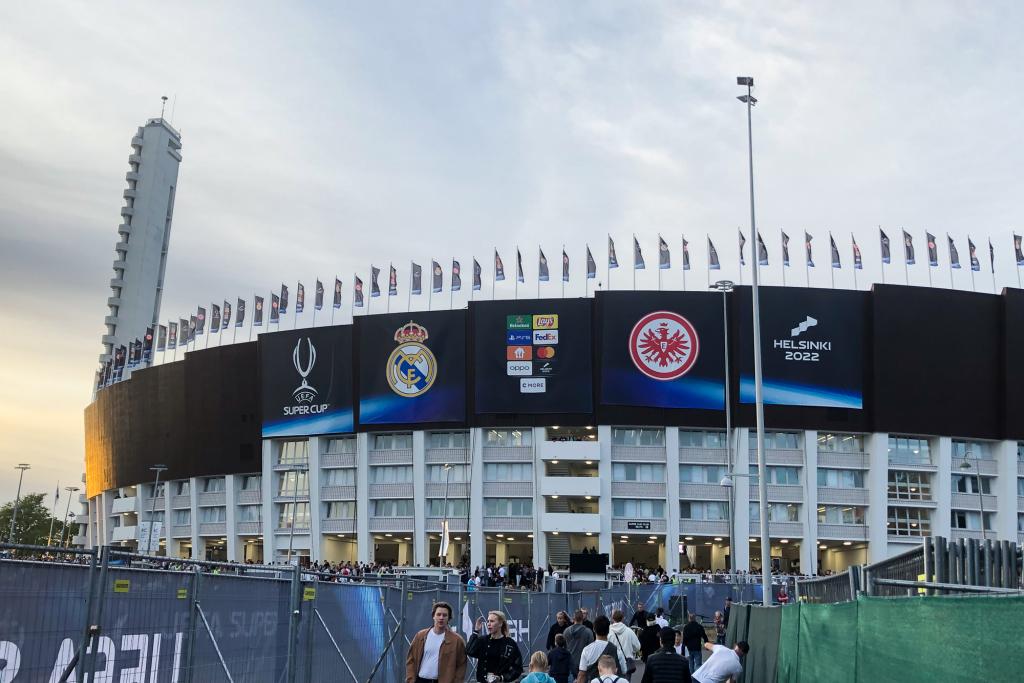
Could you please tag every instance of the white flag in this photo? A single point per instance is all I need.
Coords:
(443, 551)
(467, 620)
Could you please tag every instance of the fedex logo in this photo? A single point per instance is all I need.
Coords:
(545, 336)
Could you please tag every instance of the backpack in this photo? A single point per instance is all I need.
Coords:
(609, 650)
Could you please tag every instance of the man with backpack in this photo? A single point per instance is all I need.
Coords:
(606, 671)
(665, 665)
(593, 652)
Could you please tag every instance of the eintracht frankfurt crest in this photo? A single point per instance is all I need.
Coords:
(663, 345)
(411, 368)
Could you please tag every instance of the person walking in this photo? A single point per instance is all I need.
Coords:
(498, 657)
(665, 665)
(606, 671)
(561, 623)
(650, 638)
(724, 663)
(694, 636)
(437, 654)
(560, 661)
(588, 668)
(577, 637)
(639, 617)
(624, 639)
(721, 626)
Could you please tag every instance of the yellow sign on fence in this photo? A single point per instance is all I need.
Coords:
(308, 593)
(121, 585)
(182, 593)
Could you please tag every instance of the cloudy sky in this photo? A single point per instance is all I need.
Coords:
(319, 139)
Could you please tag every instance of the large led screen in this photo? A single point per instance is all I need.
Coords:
(662, 349)
(306, 377)
(812, 346)
(412, 367)
(533, 356)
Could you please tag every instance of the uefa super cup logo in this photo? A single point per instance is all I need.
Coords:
(304, 393)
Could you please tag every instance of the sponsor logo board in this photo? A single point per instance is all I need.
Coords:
(532, 385)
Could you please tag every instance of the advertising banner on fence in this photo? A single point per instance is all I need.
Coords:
(412, 367)
(812, 346)
(662, 349)
(306, 377)
(533, 356)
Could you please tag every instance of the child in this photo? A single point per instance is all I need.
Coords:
(538, 669)
(560, 661)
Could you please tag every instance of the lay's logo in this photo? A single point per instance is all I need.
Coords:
(545, 322)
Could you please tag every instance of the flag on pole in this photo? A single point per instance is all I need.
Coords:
(933, 250)
(337, 293)
(762, 251)
(542, 265)
(239, 312)
(858, 260)
(275, 308)
(318, 296)
(182, 331)
(477, 276)
(161, 338)
(886, 255)
(785, 250)
(357, 293)
(991, 255)
(519, 266)
(120, 356)
(200, 321)
(147, 345)
(300, 298)
(686, 254)
(172, 335)
(638, 257)
(973, 252)
(436, 282)
(456, 276)
(257, 316)
(713, 262)
(807, 245)
(417, 278)
(283, 301)
(908, 248)
(613, 260)
(442, 550)
(591, 265)
(836, 262)
(499, 267)
(743, 243)
(374, 281)
(565, 266)
(664, 257)
(226, 320)
(214, 318)
(1017, 252)
(191, 328)
(954, 255)
(392, 281)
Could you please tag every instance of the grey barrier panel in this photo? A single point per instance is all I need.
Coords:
(827, 589)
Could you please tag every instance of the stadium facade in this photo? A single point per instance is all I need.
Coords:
(580, 423)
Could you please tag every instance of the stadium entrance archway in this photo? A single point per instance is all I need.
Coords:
(644, 551)
(396, 550)
(785, 554)
(703, 553)
(509, 549)
(338, 548)
(252, 551)
(837, 556)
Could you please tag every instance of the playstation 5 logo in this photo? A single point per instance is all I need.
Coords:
(304, 393)
(803, 327)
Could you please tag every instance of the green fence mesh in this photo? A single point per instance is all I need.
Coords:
(828, 643)
(763, 629)
(789, 645)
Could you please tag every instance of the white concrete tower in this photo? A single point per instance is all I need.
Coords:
(144, 235)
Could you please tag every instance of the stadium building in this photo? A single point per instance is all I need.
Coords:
(536, 428)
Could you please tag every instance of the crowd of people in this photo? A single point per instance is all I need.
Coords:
(578, 650)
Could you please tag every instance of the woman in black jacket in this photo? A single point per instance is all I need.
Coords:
(498, 657)
(561, 623)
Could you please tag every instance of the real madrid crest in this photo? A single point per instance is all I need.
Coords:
(411, 368)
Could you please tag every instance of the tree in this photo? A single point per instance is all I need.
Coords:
(33, 524)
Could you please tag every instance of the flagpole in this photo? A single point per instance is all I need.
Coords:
(660, 238)
(494, 274)
(538, 273)
(234, 332)
(369, 299)
(929, 248)
(854, 241)
(53, 512)
(783, 262)
(314, 301)
(831, 245)
(634, 261)
(174, 356)
(949, 243)
(906, 266)
(608, 266)
(208, 332)
(252, 316)
(517, 273)
(563, 279)
(741, 259)
(451, 291)
(890, 253)
(295, 309)
(807, 262)
(684, 262)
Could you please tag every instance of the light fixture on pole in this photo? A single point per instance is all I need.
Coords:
(966, 467)
(442, 550)
(67, 508)
(17, 499)
(725, 287)
(762, 484)
(152, 510)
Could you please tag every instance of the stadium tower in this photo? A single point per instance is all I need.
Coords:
(143, 235)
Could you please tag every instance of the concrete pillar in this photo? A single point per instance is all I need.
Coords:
(877, 447)
(316, 511)
(477, 547)
(419, 502)
(405, 553)
(604, 473)
(670, 548)
(234, 550)
(198, 545)
(501, 552)
(942, 487)
(364, 550)
(1005, 490)
(168, 521)
(269, 509)
(809, 544)
(540, 539)
(740, 536)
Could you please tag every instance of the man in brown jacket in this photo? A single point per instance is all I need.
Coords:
(437, 654)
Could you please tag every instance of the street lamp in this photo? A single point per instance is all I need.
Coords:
(17, 500)
(152, 509)
(441, 551)
(725, 287)
(295, 505)
(762, 483)
(966, 467)
(67, 508)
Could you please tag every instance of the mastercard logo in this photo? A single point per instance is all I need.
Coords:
(545, 352)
